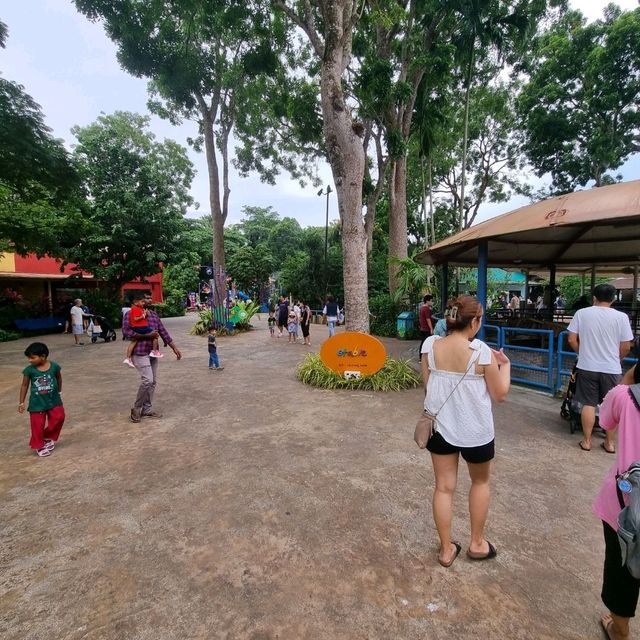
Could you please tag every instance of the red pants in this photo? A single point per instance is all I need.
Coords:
(46, 424)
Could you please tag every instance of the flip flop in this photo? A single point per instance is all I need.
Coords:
(581, 445)
(492, 553)
(605, 448)
(606, 623)
(458, 547)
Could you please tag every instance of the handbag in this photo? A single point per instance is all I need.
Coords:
(428, 422)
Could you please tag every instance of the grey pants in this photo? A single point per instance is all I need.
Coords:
(148, 369)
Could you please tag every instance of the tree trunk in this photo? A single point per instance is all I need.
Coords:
(397, 217)
(217, 216)
(431, 214)
(347, 158)
(465, 139)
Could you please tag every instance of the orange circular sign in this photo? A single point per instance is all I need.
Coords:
(352, 354)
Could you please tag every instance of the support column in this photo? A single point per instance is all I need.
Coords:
(582, 283)
(483, 261)
(50, 296)
(552, 288)
(634, 299)
(527, 292)
(593, 280)
(444, 290)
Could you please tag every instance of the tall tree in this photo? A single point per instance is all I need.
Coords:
(203, 59)
(329, 29)
(138, 192)
(579, 108)
(39, 188)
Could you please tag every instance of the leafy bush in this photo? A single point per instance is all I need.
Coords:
(103, 304)
(172, 307)
(394, 376)
(250, 309)
(204, 321)
(5, 336)
(384, 314)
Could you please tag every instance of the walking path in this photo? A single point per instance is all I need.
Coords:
(260, 508)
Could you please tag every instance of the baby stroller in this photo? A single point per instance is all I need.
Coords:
(100, 327)
(571, 408)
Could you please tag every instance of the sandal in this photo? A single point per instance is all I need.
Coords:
(581, 445)
(605, 448)
(43, 453)
(458, 547)
(492, 553)
(49, 444)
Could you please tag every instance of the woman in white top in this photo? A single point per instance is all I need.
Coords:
(461, 377)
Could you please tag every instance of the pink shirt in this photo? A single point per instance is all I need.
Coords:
(618, 409)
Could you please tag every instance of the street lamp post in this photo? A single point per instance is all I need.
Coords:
(326, 192)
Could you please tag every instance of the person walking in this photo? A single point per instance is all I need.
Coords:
(77, 321)
(602, 337)
(462, 375)
(283, 314)
(46, 412)
(331, 312)
(425, 321)
(305, 322)
(620, 589)
(212, 345)
(147, 367)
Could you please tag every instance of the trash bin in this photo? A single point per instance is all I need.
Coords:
(406, 325)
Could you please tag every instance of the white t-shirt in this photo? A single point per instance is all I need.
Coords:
(76, 315)
(600, 330)
(466, 418)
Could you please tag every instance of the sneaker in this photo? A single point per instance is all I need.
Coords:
(49, 444)
(136, 415)
(129, 361)
(151, 414)
(43, 453)
(156, 354)
(219, 368)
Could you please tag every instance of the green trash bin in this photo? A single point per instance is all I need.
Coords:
(405, 325)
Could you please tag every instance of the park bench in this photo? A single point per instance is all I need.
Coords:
(40, 324)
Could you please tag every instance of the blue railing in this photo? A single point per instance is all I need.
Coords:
(530, 365)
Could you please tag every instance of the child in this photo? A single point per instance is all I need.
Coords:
(272, 322)
(214, 362)
(292, 326)
(45, 403)
(139, 323)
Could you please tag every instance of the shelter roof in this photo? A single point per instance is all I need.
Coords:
(598, 226)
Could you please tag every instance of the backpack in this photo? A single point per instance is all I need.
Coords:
(629, 518)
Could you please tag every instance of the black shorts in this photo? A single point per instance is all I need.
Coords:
(475, 455)
(619, 588)
(305, 330)
(592, 387)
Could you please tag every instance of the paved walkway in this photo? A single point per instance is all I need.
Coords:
(259, 508)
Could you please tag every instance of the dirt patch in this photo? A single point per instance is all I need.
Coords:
(260, 508)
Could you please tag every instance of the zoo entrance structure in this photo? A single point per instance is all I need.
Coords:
(585, 232)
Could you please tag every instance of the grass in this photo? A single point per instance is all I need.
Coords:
(396, 375)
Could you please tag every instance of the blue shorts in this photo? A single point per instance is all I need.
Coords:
(142, 330)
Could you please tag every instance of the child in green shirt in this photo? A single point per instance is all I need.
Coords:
(45, 404)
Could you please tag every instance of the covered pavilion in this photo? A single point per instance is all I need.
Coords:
(586, 230)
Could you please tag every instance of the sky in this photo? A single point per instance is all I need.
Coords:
(69, 66)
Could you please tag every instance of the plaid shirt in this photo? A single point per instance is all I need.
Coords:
(143, 346)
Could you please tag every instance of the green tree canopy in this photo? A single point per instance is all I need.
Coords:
(138, 192)
(580, 107)
(38, 184)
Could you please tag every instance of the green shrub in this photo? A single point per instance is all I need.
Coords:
(172, 307)
(394, 376)
(384, 314)
(5, 336)
(250, 309)
(204, 321)
(103, 304)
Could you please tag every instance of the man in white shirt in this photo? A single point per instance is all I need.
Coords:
(77, 320)
(602, 337)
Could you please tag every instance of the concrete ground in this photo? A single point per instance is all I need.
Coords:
(259, 508)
